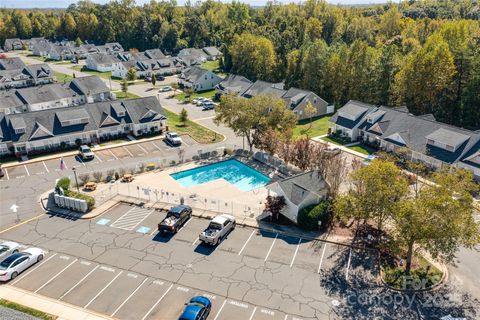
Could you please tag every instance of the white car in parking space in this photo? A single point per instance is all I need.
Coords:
(18, 262)
(218, 229)
(173, 138)
(7, 248)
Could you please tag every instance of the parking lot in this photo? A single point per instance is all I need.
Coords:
(123, 268)
(119, 153)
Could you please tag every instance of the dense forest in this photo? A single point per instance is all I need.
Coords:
(425, 54)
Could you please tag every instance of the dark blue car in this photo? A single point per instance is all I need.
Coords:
(198, 308)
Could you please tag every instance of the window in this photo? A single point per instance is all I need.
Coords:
(431, 142)
(20, 130)
(450, 148)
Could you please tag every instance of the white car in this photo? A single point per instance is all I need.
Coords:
(173, 138)
(18, 262)
(7, 248)
(165, 89)
(86, 153)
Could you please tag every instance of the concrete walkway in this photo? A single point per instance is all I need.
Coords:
(62, 310)
(337, 146)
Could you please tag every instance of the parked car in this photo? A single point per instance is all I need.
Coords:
(208, 106)
(86, 153)
(148, 79)
(218, 229)
(7, 248)
(176, 217)
(1, 171)
(160, 78)
(18, 262)
(198, 308)
(173, 138)
(165, 89)
(127, 178)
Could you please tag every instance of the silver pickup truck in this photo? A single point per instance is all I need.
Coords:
(218, 229)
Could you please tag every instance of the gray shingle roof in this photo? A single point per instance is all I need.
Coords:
(448, 137)
(298, 187)
(45, 93)
(40, 70)
(234, 84)
(9, 99)
(192, 74)
(154, 54)
(11, 63)
(355, 109)
(50, 118)
(212, 51)
(89, 85)
(264, 88)
(103, 58)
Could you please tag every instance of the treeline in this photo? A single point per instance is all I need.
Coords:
(424, 54)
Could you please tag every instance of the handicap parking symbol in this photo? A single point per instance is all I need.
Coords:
(143, 230)
(103, 222)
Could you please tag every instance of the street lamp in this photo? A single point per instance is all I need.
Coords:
(76, 180)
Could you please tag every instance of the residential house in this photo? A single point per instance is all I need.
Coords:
(14, 63)
(144, 68)
(189, 61)
(10, 102)
(348, 119)
(101, 62)
(49, 97)
(139, 56)
(61, 53)
(192, 53)
(155, 54)
(110, 48)
(92, 88)
(30, 75)
(54, 129)
(233, 84)
(212, 53)
(198, 79)
(41, 48)
(13, 44)
(298, 99)
(264, 88)
(31, 43)
(300, 191)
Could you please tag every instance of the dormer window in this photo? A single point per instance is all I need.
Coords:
(19, 130)
(430, 142)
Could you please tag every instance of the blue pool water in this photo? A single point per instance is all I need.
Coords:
(240, 175)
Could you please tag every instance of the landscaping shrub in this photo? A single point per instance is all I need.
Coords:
(84, 178)
(98, 175)
(227, 151)
(64, 183)
(308, 217)
(141, 167)
(90, 200)
(110, 174)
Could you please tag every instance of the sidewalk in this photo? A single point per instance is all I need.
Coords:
(337, 146)
(62, 310)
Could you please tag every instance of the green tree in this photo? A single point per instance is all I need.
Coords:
(154, 79)
(188, 92)
(438, 218)
(78, 42)
(375, 192)
(124, 86)
(183, 117)
(131, 74)
(310, 111)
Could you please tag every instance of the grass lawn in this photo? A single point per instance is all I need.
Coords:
(27, 310)
(105, 75)
(43, 59)
(211, 65)
(128, 95)
(336, 140)
(363, 149)
(206, 94)
(320, 127)
(200, 133)
(62, 77)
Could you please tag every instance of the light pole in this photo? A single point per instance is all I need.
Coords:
(76, 180)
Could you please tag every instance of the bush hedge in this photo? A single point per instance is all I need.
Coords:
(90, 200)
(308, 217)
(64, 183)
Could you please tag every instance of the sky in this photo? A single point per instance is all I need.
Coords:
(65, 3)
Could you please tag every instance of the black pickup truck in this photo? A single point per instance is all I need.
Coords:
(176, 217)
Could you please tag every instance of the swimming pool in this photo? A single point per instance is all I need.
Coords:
(240, 175)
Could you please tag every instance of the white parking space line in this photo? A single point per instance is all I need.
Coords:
(80, 159)
(80, 281)
(99, 159)
(142, 148)
(285, 317)
(113, 155)
(188, 221)
(26, 169)
(104, 288)
(128, 298)
(46, 168)
(271, 247)
(193, 243)
(321, 258)
(296, 250)
(160, 149)
(55, 276)
(6, 174)
(33, 269)
(246, 242)
(158, 301)
(220, 310)
(348, 264)
(128, 151)
(253, 313)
